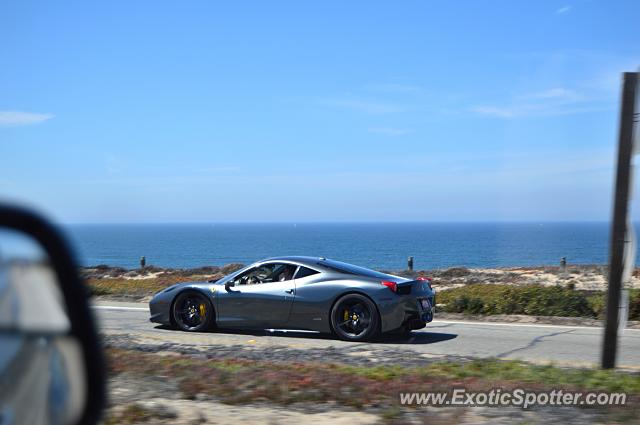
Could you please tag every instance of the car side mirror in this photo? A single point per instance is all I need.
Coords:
(49, 350)
(229, 284)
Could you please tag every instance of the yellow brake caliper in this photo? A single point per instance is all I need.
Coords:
(203, 309)
(346, 315)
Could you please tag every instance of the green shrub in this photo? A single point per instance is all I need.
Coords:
(598, 303)
(529, 299)
(634, 304)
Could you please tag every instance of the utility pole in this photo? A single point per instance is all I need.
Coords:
(620, 218)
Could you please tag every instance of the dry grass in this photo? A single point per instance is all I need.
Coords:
(243, 381)
(109, 281)
(133, 414)
(138, 288)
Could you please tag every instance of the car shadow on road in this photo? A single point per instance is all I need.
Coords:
(414, 338)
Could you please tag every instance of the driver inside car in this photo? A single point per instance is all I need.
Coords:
(270, 273)
(286, 273)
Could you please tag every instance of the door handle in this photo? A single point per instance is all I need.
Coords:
(289, 291)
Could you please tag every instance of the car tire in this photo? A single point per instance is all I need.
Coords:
(355, 317)
(192, 312)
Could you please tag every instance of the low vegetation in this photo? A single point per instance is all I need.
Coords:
(136, 284)
(132, 288)
(530, 300)
(134, 414)
(243, 381)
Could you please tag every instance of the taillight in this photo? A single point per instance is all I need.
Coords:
(391, 285)
(428, 279)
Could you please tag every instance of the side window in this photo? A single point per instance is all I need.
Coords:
(266, 273)
(282, 272)
(244, 278)
(304, 272)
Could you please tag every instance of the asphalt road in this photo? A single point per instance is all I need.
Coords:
(562, 345)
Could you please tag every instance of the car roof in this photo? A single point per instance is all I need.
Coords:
(327, 265)
(300, 259)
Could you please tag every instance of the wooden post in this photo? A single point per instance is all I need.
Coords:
(619, 225)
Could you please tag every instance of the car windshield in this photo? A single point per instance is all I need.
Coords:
(351, 269)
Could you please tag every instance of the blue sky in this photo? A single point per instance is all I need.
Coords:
(295, 111)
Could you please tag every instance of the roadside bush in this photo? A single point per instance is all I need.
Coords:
(634, 304)
(528, 299)
(598, 303)
(95, 291)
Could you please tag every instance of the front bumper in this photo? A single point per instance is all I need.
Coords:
(160, 309)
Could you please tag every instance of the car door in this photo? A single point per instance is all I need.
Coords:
(263, 304)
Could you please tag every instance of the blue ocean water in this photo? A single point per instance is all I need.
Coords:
(379, 245)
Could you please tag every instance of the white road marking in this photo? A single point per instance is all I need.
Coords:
(520, 325)
(113, 307)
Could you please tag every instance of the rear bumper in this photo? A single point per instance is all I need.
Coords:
(407, 312)
(418, 321)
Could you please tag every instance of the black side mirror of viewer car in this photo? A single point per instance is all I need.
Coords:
(51, 357)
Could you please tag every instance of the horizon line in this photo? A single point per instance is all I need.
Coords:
(293, 222)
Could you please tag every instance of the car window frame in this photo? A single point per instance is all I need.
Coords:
(300, 267)
(258, 266)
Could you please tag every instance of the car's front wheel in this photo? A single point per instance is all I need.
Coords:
(354, 317)
(192, 312)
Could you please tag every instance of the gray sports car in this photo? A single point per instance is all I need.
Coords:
(304, 293)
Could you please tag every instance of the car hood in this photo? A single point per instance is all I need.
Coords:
(191, 284)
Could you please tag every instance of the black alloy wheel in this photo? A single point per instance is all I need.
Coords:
(354, 317)
(192, 312)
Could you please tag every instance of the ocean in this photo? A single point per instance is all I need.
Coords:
(378, 245)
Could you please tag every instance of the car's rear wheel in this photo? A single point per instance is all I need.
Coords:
(354, 317)
(192, 312)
